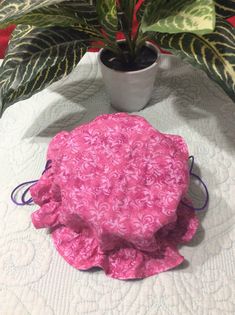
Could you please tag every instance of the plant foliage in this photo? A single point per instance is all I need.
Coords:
(52, 35)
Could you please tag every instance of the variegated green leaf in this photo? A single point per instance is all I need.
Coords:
(177, 16)
(107, 12)
(36, 58)
(225, 8)
(66, 13)
(12, 9)
(48, 16)
(83, 9)
(214, 53)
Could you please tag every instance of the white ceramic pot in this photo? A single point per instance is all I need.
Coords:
(129, 91)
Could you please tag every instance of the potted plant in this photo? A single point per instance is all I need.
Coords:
(52, 36)
(129, 79)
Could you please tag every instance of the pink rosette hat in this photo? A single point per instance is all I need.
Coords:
(112, 197)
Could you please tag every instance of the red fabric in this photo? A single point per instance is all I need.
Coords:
(4, 38)
(232, 20)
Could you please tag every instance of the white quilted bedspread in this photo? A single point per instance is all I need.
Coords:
(35, 280)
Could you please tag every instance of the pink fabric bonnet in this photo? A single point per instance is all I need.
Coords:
(112, 197)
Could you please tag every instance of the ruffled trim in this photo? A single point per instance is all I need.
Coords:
(47, 195)
(82, 250)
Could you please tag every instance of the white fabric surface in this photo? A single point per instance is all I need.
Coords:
(35, 279)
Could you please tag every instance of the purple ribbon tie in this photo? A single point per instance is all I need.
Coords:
(23, 200)
(203, 184)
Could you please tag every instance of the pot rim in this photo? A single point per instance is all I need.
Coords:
(148, 44)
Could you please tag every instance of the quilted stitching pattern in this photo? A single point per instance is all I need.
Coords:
(35, 280)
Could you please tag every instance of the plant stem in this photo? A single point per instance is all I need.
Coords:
(130, 44)
(99, 36)
(140, 41)
(136, 35)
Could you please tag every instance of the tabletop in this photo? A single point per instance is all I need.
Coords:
(34, 277)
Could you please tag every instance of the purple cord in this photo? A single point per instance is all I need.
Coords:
(23, 201)
(203, 184)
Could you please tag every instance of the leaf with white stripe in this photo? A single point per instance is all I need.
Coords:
(171, 16)
(214, 53)
(107, 13)
(64, 13)
(225, 8)
(12, 9)
(36, 58)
